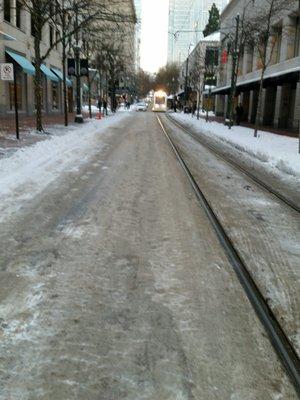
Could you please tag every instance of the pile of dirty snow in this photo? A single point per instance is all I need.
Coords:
(275, 151)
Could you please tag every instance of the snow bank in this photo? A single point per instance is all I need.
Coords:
(30, 169)
(276, 151)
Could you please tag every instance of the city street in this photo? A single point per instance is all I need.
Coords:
(113, 284)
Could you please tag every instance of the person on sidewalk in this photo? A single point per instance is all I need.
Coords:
(239, 113)
(105, 107)
(194, 108)
(100, 104)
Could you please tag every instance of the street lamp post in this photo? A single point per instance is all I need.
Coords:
(233, 72)
(78, 117)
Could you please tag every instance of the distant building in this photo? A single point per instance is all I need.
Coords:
(187, 19)
(16, 22)
(137, 4)
(281, 92)
(198, 72)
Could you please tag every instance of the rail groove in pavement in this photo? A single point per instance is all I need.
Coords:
(237, 166)
(283, 347)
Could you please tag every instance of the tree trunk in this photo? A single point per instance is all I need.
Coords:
(64, 59)
(198, 105)
(38, 84)
(89, 98)
(258, 111)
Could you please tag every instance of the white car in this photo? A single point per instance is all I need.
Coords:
(141, 106)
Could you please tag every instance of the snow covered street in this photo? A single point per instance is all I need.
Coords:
(113, 284)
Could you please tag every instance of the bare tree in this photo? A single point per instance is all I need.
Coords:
(167, 78)
(197, 73)
(61, 14)
(236, 34)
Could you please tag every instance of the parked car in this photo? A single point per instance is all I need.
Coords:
(141, 106)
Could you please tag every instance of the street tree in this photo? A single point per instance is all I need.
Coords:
(213, 23)
(197, 72)
(145, 83)
(67, 18)
(44, 13)
(236, 34)
(167, 78)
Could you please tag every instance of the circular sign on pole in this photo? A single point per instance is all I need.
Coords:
(7, 72)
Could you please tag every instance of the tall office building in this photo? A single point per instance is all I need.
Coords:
(137, 4)
(187, 19)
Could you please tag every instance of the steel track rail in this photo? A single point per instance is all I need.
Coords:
(277, 337)
(238, 167)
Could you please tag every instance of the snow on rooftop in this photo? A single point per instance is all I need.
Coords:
(213, 37)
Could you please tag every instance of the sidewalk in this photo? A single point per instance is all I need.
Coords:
(28, 136)
(271, 129)
(276, 152)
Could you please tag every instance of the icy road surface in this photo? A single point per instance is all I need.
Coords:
(113, 286)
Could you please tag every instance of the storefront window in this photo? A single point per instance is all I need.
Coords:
(297, 38)
(7, 13)
(55, 96)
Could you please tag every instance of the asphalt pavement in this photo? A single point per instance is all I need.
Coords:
(113, 286)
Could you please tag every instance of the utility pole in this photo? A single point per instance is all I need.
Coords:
(64, 57)
(78, 117)
(234, 72)
(186, 77)
(186, 81)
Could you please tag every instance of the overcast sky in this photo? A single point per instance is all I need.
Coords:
(154, 34)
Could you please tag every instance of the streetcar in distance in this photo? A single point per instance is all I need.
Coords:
(160, 101)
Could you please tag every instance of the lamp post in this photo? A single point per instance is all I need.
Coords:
(78, 117)
(233, 72)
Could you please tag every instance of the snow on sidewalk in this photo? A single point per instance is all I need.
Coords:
(30, 169)
(276, 152)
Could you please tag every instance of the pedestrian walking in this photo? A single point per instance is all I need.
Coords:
(99, 104)
(239, 113)
(194, 108)
(105, 106)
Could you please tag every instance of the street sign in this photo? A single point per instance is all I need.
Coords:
(7, 72)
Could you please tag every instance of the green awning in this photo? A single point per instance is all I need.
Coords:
(49, 74)
(26, 65)
(60, 75)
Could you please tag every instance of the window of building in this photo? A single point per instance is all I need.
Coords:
(7, 11)
(250, 55)
(297, 38)
(57, 35)
(18, 14)
(278, 39)
(51, 35)
(33, 30)
(55, 96)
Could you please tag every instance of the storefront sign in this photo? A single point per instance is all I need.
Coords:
(7, 72)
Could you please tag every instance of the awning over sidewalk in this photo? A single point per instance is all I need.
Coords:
(5, 36)
(289, 74)
(26, 65)
(60, 75)
(49, 74)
